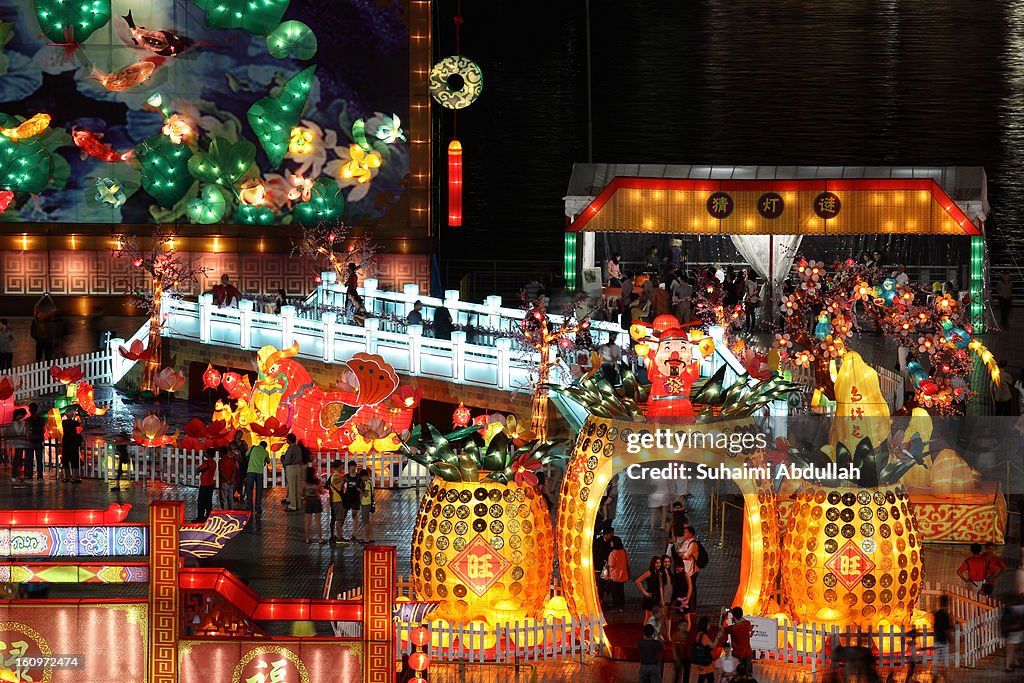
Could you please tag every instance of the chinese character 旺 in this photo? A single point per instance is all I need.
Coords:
(849, 566)
(277, 673)
(478, 567)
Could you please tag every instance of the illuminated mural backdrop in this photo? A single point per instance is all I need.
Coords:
(201, 111)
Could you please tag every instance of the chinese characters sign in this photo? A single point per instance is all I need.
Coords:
(720, 205)
(849, 565)
(270, 664)
(479, 566)
(827, 205)
(18, 640)
(770, 205)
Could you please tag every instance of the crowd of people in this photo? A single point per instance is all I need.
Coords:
(235, 473)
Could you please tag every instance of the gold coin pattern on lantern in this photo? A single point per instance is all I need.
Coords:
(495, 545)
(869, 566)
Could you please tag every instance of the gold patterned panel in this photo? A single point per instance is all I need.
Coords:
(164, 611)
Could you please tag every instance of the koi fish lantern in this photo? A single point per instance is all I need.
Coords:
(211, 377)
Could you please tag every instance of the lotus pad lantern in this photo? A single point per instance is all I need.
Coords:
(852, 551)
(483, 540)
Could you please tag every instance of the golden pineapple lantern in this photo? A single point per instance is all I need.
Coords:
(852, 551)
(483, 544)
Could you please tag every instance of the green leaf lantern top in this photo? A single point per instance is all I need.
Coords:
(209, 207)
(499, 456)
(71, 21)
(164, 166)
(26, 165)
(224, 163)
(326, 203)
(258, 17)
(272, 118)
(292, 39)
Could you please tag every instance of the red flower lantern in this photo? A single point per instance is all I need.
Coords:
(199, 437)
(66, 375)
(136, 351)
(6, 197)
(211, 377)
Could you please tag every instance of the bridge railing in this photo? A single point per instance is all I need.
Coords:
(484, 323)
(331, 340)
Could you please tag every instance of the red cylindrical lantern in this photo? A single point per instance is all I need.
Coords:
(455, 183)
(419, 661)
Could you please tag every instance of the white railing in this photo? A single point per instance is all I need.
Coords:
(331, 340)
(890, 383)
(35, 379)
(483, 321)
(976, 634)
(514, 642)
(174, 465)
(119, 365)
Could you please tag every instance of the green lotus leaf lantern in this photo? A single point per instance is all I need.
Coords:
(292, 39)
(25, 165)
(272, 118)
(66, 22)
(224, 163)
(326, 203)
(209, 207)
(254, 215)
(164, 166)
(258, 18)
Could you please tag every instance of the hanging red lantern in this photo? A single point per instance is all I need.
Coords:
(420, 636)
(455, 183)
(419, 661)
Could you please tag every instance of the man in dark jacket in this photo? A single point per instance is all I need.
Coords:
(292, 461)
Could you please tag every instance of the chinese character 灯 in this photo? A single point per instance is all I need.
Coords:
(768, 204)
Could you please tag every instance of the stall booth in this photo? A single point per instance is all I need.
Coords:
(929, 219)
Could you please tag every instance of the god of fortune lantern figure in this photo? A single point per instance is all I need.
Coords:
(672, 372)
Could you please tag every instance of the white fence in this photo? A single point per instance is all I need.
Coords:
(174, 465)
(890, 383)
(35, 379)
(512, 642)
(976, 634)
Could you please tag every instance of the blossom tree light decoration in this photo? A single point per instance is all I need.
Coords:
(538, 331)
(169, 273)
(324, 244)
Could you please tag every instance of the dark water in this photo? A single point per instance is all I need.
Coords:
(853, 82)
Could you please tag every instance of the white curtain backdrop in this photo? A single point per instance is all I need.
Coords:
(754, 248)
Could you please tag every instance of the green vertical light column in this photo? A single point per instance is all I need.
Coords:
(978, 283)
(569, 271)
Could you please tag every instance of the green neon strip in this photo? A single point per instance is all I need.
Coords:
(570, 261)
(977, 283)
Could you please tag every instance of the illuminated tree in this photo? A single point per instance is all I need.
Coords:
(169, 272)
(538, 332)
(333, 247)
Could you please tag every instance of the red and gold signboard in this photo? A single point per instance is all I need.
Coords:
(479, 565)
(850, 565)
(771, 205)
(827, 205)
(207, 661)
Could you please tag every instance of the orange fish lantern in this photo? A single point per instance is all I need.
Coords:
(199, 436)
(152, 431)
(128, 77)
(66, 375)
(237, 385)
(460, 418)
(7, 404)
(211, 377)
(136, 352)
(28, 129)
(168, 380)
(375, 379)
(85, 396)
